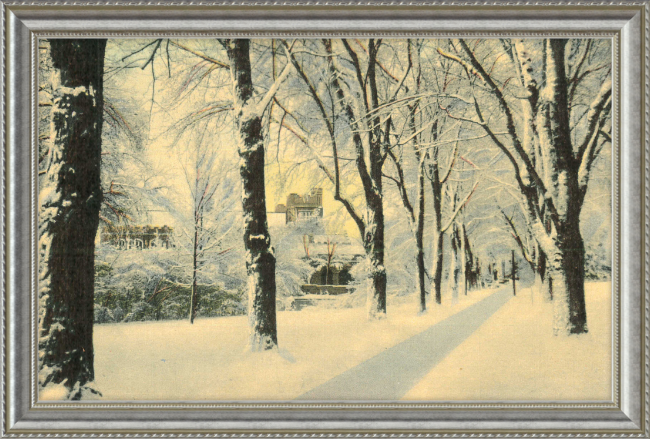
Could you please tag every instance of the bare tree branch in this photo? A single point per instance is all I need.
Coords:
(261, 105)
(401, 186)
(201, 55)
(460, 207)
(593, 117)
(517, 238)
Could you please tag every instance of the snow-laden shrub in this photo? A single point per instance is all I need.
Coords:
(233, 307)
(360, 274)
(173, 310)
(597, 262)
(135, 277)
(140, 285)
(217, 302)
(118, 314)
(400, 260)
(293, 266)
(102, 314)
(290, 275)
(140, 312)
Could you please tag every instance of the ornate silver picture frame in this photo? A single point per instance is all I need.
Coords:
(625, 24)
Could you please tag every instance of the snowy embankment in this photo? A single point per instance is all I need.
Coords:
(511, 356)
(514, 356)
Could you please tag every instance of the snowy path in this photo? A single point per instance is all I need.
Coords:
(392, 373)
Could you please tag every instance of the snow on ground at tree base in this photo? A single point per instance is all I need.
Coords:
(53, 392)
(514, 356)
(511, 356)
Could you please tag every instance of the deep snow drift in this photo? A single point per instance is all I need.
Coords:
(511, 356)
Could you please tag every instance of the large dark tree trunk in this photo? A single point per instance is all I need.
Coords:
(419, 240)
(260, 261)
(70, 199)
(438, 240)
(420, 157)
(373, 187)
(566, 254)
(374, 246)
(567, 268)
(455, 265)
(374, 231)
(466, 258)
(438, 235)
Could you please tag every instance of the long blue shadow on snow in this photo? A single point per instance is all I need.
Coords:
(392, 373)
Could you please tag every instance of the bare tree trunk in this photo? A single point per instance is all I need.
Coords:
(419, 240)
(438, 235)
(462, 279)
(194, 296)
(567, 268)
(538, 285)
(465, 259)
(374, 246)
(513, 273)
(455, 266)
(260, 261)
(371, 230)
(419, 219)
(416, 222)
(438, 240)
(542, 276)
(70, 199)
(567, 253)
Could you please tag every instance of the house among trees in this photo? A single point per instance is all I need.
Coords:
(330, 257)
(144, 234)
(302, 207)
(137, 237)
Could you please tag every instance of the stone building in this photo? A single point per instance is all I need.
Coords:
(302, 207)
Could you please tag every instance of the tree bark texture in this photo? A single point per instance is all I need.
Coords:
(566, 254)
(438, 235)
(419, 240)
(70, 199)
(374, 246)
(455, 266)
(260, 260)
(542, 276)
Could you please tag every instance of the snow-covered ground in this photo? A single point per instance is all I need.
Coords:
(514, 356)
(207, 361)
(511, 356)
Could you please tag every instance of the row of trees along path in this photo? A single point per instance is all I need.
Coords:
(370, 112)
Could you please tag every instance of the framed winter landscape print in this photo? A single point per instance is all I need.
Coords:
(293, 219)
